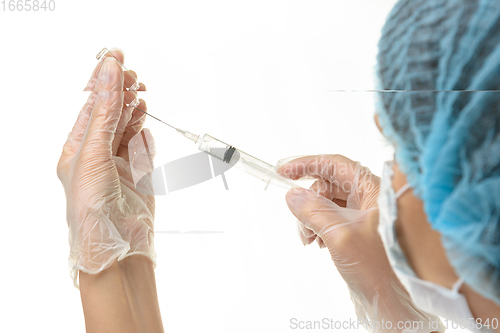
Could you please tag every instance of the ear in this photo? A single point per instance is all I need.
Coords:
(375, 117)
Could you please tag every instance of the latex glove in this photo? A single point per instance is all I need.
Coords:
(341, 212)
(107, 217)
(345, 182)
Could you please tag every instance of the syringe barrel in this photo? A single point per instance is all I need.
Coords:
(251, 165)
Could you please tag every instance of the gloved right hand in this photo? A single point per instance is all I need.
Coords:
(340, 211)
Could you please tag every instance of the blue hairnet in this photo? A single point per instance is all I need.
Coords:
(447, 142)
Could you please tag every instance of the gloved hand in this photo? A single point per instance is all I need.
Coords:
(107, 217)
(340, 211)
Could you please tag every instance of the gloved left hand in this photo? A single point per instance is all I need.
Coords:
(108, 218)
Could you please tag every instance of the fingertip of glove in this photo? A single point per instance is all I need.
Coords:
(109, 76)
(284, 167)
(307, 241)
(115, 50)
(107, 67)
(281, 170)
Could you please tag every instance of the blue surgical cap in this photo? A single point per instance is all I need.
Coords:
(441, 59)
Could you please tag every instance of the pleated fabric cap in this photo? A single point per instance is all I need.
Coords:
(440, 59)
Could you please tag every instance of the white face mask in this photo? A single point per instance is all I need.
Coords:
(427, 296)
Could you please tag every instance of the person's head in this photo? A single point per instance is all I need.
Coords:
(441, 58)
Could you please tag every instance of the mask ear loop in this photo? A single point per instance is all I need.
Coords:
(456, 286)
(402, 190)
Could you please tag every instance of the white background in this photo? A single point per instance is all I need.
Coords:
(254, 74)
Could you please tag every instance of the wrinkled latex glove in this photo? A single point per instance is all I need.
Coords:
(340, 212)
(108, 218)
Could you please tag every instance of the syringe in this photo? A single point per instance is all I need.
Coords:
(235, 157)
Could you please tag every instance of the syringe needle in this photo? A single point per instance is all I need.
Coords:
(149, 114)
(189, 135)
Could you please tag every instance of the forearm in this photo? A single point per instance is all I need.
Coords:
(122, 298)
